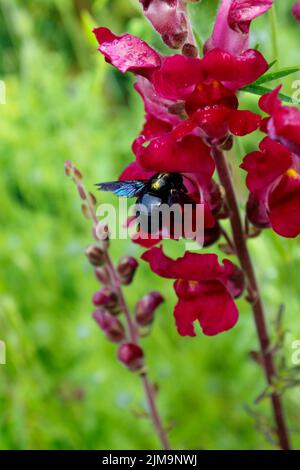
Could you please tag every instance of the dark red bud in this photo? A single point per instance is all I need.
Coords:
(211, 235)
(257, 213)
(126, 269)
(189, 50)
(131, 355)
(110, 325)
(81, 191)
(178, 109)
(68, 167)
(237, 281)
(86, 211)
(175, 41)
(95, 255)
(145, 308)
(106, 297)
(77, 174)
(102, 275)
(228, 143)
(216, 197)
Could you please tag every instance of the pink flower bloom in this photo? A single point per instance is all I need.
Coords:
(274, 182)
(205, 290)
(296, 10)
(231, 30)
(169, 18)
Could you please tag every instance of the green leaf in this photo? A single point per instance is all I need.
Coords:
(272, 63)
(270, 77)
(262, 90)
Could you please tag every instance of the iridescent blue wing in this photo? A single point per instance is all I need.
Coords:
(126, 188)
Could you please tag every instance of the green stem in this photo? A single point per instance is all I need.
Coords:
(273, 27)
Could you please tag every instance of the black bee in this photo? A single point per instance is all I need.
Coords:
(162, 188)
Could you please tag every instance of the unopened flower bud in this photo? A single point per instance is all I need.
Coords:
(77, 173)
(110, 325)
(145, 308)
(101, 233)
(256, 212)
(178, 109)
(169, 18)
(86, 211)
(126, 269)
(68, 167)
(189, 50)
(95, 255)
(211, 235)
(102, 275)
(106, 297)
(93, 199)
(227, 144)
(81, 191)
(237, 282)
(131, 355)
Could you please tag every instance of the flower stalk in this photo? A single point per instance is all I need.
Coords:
(242, 252)
(132, 336)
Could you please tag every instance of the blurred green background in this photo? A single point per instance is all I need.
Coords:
(62, 387)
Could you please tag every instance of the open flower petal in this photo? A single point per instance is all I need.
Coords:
(237, 70)
(284, 203)
(165, 154)
(127, 52)
(242, 12)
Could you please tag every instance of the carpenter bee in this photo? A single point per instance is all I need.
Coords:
(162, 188)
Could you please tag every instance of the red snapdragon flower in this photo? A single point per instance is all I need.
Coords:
(274, 182)
(186, 99)
(231, 30)
(274, 172)
(205, 290)
(177, 87)
(284, 122)
(296, 10)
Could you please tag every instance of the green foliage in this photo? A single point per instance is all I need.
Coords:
(62, 387)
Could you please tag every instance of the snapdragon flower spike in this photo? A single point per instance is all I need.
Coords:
(169, 18)
(296, 10)
(273, 180)
(232, 25)
(205, 290)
